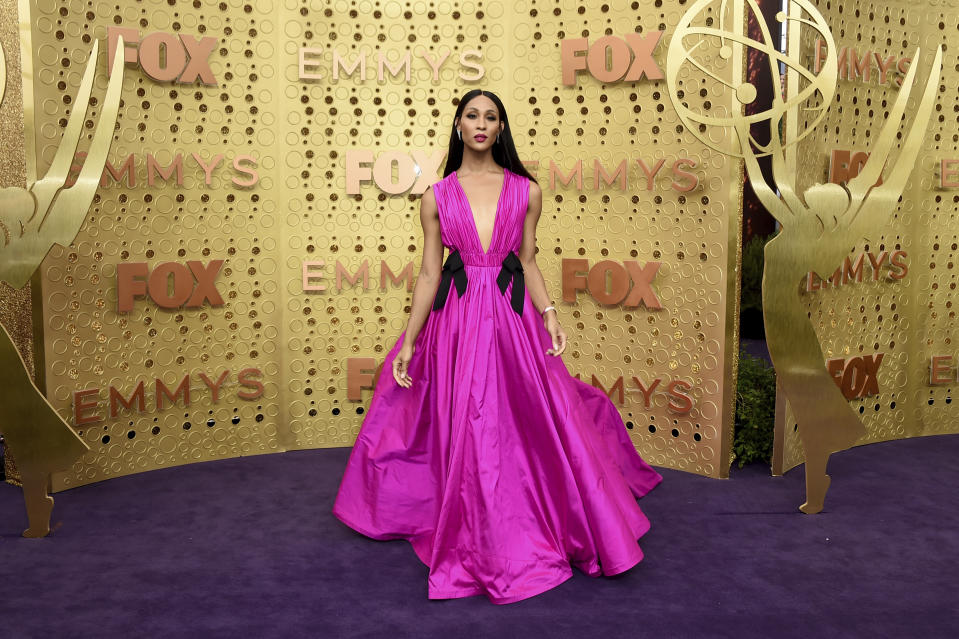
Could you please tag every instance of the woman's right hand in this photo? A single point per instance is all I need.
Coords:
(401, 366)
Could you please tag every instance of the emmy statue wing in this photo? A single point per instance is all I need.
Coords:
(883, 198)
(763, 191)
(784, 178)
(45, 189)
(71, 204)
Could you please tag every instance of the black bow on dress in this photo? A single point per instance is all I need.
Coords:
(453, 273)
(512, 270)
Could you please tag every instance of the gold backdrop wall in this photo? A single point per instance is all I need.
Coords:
(15, 305)
(910, 319)
(298, 362)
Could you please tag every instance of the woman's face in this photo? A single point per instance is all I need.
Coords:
(480, 123)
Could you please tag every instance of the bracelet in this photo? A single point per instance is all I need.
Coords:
(548, 308)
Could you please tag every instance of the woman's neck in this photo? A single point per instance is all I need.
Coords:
(474, 162)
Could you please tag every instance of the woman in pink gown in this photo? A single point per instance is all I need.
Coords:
(499, 467)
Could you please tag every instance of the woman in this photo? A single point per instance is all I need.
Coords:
(481, 449)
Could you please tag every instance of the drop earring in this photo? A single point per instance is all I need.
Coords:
(459, 134)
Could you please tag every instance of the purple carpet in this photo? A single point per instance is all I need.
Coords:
(248, 547)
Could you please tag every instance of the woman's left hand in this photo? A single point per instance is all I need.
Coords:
(557, 334)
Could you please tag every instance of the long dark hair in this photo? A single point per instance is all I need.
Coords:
(504, 151)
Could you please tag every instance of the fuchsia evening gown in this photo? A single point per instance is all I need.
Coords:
(498, 466)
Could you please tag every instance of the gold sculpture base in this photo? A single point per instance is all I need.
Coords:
(39, 504)
(816, 486)
(43, 442)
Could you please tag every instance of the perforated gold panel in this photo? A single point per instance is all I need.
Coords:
(910, 319)
(284, 108)
(90, 345)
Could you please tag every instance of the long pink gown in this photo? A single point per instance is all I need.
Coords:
(498, 466)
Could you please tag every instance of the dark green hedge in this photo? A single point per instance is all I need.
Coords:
(755, 410)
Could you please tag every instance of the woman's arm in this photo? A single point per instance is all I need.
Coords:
(428, 280)
(533, 277)
(424, 290)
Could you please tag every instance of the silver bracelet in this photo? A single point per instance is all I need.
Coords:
(548, 308)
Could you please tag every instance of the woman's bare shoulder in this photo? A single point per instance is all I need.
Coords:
(428, 198)
(535, 201)
(535, 190)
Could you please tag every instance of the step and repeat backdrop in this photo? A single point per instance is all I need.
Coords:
(886, 315)
(250, 254)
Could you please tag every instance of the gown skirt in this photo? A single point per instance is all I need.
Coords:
(498, 466)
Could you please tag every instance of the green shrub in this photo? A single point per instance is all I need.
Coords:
(751, 296)
(751, 293)
(755, 410)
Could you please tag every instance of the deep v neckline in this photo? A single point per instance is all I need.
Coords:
(499, 202)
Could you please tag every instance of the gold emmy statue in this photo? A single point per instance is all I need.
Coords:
(820, 228)
(32, 220)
